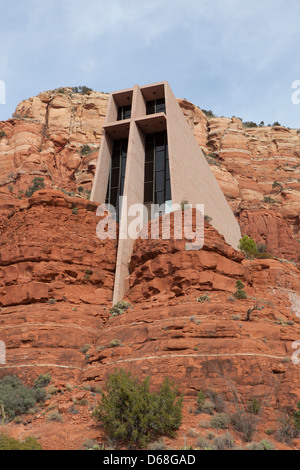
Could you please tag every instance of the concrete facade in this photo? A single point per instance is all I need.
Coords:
(190, 174)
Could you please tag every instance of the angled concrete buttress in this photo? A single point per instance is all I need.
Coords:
(145, 132)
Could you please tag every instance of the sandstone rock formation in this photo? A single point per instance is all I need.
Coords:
(56, 282)
(56, 276)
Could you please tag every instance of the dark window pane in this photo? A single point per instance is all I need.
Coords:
(122, 186)
(115, 178)
(167, 170)
(168, 191)
(149, 138)
(149, 155)
(118, 165)
(149, 172)
(148, 192)
(160, 105)
(115, 162)
(160, 197)
(159, 180)
(160, 140)
(113, 196)
(150, 107)
(124, 145)
(160, 161)
(123, 167)
(126, 112)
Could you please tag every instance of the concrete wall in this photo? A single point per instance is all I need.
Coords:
(134, 192)
(191, 177)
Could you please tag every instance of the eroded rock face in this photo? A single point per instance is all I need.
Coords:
(267, 227)
(166, 269)
(56, 283)
(263, 163)
(46, 138)
(185, 322)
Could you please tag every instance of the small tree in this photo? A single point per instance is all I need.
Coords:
(240, 293)
(248, 246)
(131, 414)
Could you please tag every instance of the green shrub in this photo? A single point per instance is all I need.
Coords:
(75, 210)
(203, 444)
(220, 421)
(115, 343)
(2, 134)
(119, 308)
(131, 414)
(9, 443)
(240, 293)
(254, 406)
(225, 441)
(208, 113)
(200, 399)
(269, 200)
(248, 246)
(249, 124)
(43, 380)
(81, 89)
(17, 398)
(84, 349)
(36, 184)
(85, 150)
(55, 416)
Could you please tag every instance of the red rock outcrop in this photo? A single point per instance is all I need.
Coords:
(267, 227)
(197, 333)
(56, 282)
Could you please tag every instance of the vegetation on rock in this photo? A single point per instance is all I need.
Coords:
(131, 414)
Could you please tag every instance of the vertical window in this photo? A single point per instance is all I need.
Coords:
(157, 188)
(117, 173)
(124, 112)
(156, 106)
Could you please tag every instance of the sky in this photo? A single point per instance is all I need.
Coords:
(232, 57)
